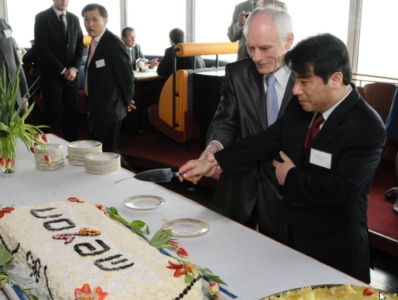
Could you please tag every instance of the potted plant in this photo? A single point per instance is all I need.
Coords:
(12, 123)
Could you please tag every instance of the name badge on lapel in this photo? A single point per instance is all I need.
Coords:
(320, 158)
(7, 33)
(100, 63)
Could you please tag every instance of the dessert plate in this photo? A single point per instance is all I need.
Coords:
(144, 202)
(186, 227)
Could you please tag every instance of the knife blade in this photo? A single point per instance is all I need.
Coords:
(157, 175)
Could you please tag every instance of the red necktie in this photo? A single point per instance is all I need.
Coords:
(312, 132)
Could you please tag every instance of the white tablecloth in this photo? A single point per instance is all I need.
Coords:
(252, 265)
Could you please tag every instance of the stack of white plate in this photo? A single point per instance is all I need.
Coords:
(102, 163)
(79, 149)
(56, 153)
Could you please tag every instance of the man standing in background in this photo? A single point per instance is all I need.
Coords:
(59, 42)
(241, 12)
(133, 49)
(109, 80)
(9, 59)
(256, 92)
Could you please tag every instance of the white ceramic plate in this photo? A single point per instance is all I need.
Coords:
(84, 144)
(144, 202)
(186, 227)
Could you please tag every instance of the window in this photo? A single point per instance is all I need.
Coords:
(311, 17)
(377, 43)
(152, 23)
(212, 21)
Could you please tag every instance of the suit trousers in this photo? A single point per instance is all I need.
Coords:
(61, 98)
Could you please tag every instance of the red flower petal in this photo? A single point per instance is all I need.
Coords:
(368, 292)
(180, 272)
(182, 252)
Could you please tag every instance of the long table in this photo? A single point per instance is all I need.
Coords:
(252, 265)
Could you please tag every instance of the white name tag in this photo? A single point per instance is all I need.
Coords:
(100, 63)
(7, 33)
(321, 159)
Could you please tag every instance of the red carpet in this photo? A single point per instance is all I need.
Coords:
(381, 217)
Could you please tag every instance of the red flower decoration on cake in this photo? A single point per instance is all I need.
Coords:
(75, 199)
(6, 210)
(100, 207)
(179, 269)
(85, 293)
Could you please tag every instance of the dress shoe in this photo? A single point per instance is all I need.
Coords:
(391, 194)
(395, 207)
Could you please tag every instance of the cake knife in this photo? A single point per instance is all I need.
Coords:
(157, 175)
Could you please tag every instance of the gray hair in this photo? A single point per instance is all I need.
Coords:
(282, 20)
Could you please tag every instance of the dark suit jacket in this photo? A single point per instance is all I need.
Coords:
(325, 208)
(111, 86)
(242, 112)
(10, 60)
(56, 51)
(165, 67)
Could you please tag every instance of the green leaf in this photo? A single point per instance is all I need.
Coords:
(161, 239)
(188, 278)
(4, 127)
(5, 257)
(25, 292)
(210, 276)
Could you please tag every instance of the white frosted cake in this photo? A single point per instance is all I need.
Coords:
(64, 245)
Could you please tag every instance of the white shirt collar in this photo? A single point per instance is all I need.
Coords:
(59, 12)
(98, 37)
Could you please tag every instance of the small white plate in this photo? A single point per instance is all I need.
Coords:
(144, 202)
(186, 227)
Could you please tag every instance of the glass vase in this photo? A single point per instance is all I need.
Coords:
(8, 146)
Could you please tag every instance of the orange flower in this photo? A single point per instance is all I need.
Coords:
(85, 293)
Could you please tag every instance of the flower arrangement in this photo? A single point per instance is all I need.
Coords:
(12, 123)
(164, 239)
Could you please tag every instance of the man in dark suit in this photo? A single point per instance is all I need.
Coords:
(9, 59)
(109, 78)
(243, 111)
(59, 42)
(165, 67)
(326, 148)
(133, 49)
(241, 12)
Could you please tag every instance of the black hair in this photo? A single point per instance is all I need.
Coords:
(125, 30)
(177, 36)
(323, 54)
(93, 6)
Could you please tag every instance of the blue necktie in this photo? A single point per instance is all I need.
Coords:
(271, 99)
(254, 5)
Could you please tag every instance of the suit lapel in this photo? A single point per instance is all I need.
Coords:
(255, 86)
(287, 96)
(332, 125)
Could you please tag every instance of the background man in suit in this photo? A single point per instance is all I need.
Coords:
(177, 36)
(9, 59)
(243, 111)
(133, 49)
(109, 78)
(59, 42)
(326, 146)
(241, 12)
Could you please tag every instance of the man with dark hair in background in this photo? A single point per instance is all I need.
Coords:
(109, 80)
(59, 42)
(165, 67)
(134, 49)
